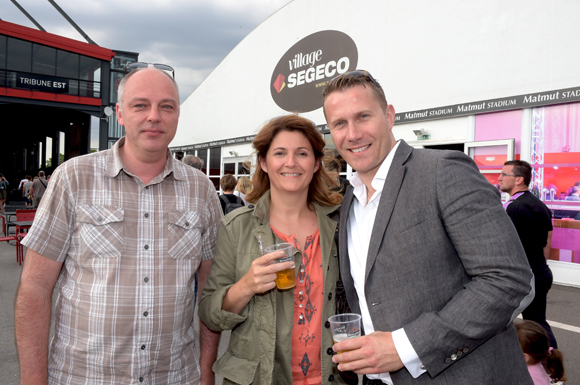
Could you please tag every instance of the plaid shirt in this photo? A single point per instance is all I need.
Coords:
(125, 308)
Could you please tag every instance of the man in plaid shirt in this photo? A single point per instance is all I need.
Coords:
(122, 231)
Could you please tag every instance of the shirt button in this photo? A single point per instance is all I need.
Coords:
(99, 219)
(146, 247)
(300, 305)
(301, 316)
(146, 215)
(145, 314)
(146, 187)
(186, 224)
(146, 279)
(300, 292)
(329, 296)
(302, 270)
(142, 347)
(327, 324)
(423, 367)
(301, 281)
(140, 379)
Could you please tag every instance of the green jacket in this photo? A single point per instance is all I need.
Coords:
(249, 358)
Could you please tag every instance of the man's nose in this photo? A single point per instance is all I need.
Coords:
(354, 132)
(153, 115)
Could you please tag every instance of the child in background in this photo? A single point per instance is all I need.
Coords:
(545, 364)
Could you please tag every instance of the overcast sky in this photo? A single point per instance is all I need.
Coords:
(193, 36)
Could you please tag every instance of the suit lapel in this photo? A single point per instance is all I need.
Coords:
(387, 202)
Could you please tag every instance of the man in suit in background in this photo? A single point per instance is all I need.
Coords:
(428, 256)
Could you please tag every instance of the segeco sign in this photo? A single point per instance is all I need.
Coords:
(302, 73)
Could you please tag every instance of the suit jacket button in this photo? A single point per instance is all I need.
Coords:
(459, 353)
(453, 357)
(465, 350)
(327, 324)
(447, 360)
(329, 351)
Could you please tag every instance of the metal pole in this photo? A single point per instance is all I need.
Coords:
(79, 30)
(28, 15)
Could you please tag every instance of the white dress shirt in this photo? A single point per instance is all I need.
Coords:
(360, 224)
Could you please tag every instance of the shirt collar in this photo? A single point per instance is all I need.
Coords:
(378, 181)
(115, 167)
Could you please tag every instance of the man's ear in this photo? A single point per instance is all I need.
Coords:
(119, 114)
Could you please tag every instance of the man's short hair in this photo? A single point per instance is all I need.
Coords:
(41, 173)
(521, 168)
(193, 161)
(228, 182)
(121, 89)
(346, 81)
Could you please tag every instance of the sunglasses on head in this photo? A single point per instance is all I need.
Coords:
(358, 73)
(138, 65)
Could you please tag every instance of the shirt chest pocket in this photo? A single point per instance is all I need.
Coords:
(100, 230)
(184, 234)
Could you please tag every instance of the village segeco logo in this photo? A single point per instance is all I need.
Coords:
(302, 73)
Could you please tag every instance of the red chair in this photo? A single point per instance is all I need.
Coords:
(22, 216)
(19, 248)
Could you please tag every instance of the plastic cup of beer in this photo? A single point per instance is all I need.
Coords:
(344, 326)
(285, 279)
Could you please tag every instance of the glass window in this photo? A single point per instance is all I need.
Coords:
(2, 52)
(202, 154)
(215, 158)
(90, 89)
(115, 81)
(19, 54)
(67, 64)
(43, 60)
(90, 69)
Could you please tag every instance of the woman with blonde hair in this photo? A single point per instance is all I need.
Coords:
(278, 336)
(244, 187)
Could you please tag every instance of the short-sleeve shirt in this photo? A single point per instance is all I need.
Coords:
(533, 221)
(125, 308)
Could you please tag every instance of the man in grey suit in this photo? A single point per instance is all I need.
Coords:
(428, 256)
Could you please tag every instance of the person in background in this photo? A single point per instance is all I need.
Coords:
(428, 256)
(193, 161)
(228, 200)
(3, 191)
(278, 336)
(575, 195)
(244, 187)
(38, 189)
(26, 191)
(124, 248)
(533, 222)
(545, 364)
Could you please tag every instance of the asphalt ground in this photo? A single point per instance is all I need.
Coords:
(563, 315)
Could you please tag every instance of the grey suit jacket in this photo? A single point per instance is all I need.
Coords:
(444, 263)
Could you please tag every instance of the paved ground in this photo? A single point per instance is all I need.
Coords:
(563, 312)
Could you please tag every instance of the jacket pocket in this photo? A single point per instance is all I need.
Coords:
(184, 234)
(100, 230)
(236, 369)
